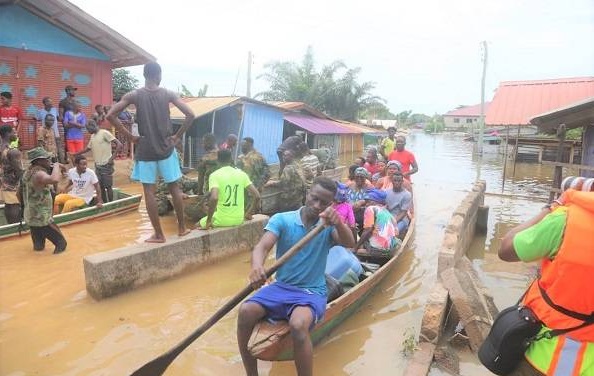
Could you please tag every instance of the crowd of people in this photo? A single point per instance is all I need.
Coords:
(62, 147)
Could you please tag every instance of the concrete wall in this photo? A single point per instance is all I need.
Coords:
(114, 272)
(453, 268)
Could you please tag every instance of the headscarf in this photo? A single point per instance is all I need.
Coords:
(395, 164)
(361, 171)
(376, 195)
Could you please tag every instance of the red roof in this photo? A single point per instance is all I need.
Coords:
(516, 102)
(468, 110)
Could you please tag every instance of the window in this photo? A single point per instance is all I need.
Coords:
(456, 120)
(469, 121)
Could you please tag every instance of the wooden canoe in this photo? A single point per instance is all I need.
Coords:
(122, 202)
(273, 341)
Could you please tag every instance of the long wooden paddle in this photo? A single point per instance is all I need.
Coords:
(158, 365)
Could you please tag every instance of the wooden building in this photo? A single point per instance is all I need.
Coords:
(47, 45)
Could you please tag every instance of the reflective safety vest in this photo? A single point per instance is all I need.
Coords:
(568, 280)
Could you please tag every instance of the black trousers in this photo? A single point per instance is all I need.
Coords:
(50, 232)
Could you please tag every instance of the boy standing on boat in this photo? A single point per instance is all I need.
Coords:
(299, 293)
(155, 154)
(35, 194)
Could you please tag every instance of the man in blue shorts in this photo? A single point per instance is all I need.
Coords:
(299, 293)
(155, 152)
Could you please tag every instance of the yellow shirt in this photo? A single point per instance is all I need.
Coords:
(100, 145)
(388, 145)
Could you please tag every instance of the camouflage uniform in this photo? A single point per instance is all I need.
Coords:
(293, 188)
(326, 158)
(255, 166)
(206, 166)
(187, 185)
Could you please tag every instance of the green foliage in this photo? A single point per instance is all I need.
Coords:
(574, 134)
(435, 124)
(122, 82)
(334, 89)
(402, 118)
(409, 343)
(377, 111)
(185, 92)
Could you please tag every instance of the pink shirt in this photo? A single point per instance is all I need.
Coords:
(345, 212)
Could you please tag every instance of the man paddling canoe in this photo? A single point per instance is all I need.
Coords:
(299, 293)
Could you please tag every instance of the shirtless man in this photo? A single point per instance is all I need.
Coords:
(155, 154)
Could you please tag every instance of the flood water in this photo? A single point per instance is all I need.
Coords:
(49, 326)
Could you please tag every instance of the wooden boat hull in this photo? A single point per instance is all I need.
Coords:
(123, 202)
(273, 341)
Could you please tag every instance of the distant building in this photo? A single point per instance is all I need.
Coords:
(463, 118)
(47, 45)
(516, 102)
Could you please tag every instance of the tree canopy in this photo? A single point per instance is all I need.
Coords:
(122, 82)
(334, 89)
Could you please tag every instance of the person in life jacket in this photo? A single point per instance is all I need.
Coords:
(563, 296)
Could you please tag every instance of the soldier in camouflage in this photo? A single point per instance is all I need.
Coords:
(208, 163)
(291, 184)
(253, 164)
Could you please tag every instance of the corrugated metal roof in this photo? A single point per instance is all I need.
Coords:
(474, 110)
(300, 106)
(577, 114)
(70, 18)
(516, 102)
(318, 126)
(202, 105)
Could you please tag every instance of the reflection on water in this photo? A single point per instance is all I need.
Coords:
(48, 324)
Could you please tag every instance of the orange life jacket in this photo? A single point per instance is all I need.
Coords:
(567, 279)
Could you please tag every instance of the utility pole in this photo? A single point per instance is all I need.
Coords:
(482, 119)
(249, 75)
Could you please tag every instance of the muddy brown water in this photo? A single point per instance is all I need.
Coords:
(49, 326)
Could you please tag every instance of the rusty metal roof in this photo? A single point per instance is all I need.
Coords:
(516, 102)
(203, 105)
(468, 111)
(316, 125)
(76, 22)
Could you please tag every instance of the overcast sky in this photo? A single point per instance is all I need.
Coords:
(424, 55)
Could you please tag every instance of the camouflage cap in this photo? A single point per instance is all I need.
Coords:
(37, 153)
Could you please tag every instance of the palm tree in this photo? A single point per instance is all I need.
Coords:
(340, 96)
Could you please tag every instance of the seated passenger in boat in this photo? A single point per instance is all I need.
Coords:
(344, 208)
(399, 202)
(385, 182)
(380, 174)
(84, 184)
(227, 193)
(299, 293)
(343, 266)
(357, 190)
(291, 184)
(379, 237)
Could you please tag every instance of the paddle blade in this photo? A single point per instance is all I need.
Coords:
(155, 367)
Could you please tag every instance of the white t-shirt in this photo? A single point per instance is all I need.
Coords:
(83, 185)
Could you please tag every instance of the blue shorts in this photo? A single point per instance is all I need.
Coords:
(147, 171)
(279, 300)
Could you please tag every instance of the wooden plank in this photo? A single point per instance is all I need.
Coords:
(568, 165)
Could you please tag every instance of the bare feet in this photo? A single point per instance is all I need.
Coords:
(184, 232)
(155, 239)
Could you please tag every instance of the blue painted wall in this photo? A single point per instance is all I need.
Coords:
(23, 29)
(265, 126)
